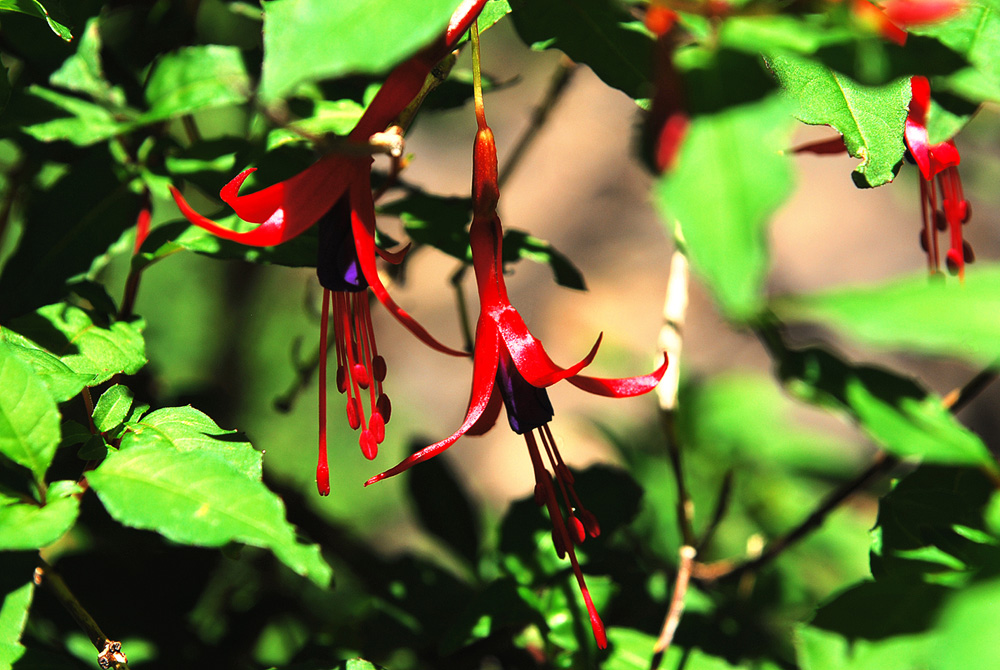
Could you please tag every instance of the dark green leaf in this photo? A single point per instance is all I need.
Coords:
(84, 346)
(896, 413)
(975, 33)
(931, 527)
(196, 78)
(870, 118)
(730, 177)
(187, 429)
(36, 8)
(599, 33)
(112, 407)
(4, 88)
(371, 37)
(444, 507)
(942, 318)
(518, 244)
(169, 239)
(436, 221)
(27, 525)
(29, 418)
(62, 239)
(93, 449)
(83, 72)
(195, 498)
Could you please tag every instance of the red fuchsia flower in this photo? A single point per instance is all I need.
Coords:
(336, 193)
(890, 19)
(511, 366)
(951, 211)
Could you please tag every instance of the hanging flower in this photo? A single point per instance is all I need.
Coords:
(336, 193)
(951, 211)
(510, 366)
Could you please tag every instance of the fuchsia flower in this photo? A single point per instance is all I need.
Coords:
(937, 160)
(511, 365)
(336, 193)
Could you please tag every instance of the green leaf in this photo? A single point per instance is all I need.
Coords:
(187, 429)
(896, 413)
(358, 37)
(974, 33)
(953, 319)
(444, 507)
(730, 177)
(193, 498)
(27, 525)
(112, 407)
(85, 123)
(328, 116)
(61, 381)
(871, 118)
(822, 650)
(932, 528)
(35, 8)
(518, 244)
(4, 87)
(83, 72)
(195, 78)
(29, 419)
(599, 33)
(16, 591)
(781, 33)
(85, 347)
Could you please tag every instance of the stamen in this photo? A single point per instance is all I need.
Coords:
(545, 494)
(323, 466)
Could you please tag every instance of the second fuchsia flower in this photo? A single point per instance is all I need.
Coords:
(336, 193)
(510, 366)
(939, 161)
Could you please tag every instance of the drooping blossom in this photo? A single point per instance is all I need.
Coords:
(937, 162)
(511, 367)
(336, 193)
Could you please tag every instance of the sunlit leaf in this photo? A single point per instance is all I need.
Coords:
(36, 8)
(194, 498)
(29, 419)
(28, 525)
(196, 78)
(112, 407)
(870, 118)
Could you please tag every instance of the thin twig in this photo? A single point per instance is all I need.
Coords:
(670, 341)
(463, 307)
(557, 86)
(110, 654)
(687, 555)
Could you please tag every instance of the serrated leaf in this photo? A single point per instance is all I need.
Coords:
(371, 37)
(195, 78)
(61, 381)
(729, 179)
(599, 33)
(896, 413)
(36, 8)
(871, 118)
(194, 498)
(187, 429)
(957, 320)
(16, 591)
(85, 347)
(112, 407)
(82, 72)
(29, 418)
(25, 526)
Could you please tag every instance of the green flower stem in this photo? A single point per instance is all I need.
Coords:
(110, 654)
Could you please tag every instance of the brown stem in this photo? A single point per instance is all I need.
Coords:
(110, 654)
(557, 86)
(687, 555)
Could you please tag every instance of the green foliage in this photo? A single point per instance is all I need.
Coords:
(870, 118)
(106, 464)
